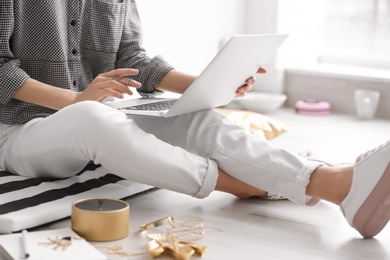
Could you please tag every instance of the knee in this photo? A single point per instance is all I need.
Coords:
(90, 115)
(206, 118)
(85, 107)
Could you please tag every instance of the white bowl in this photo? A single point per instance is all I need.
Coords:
(261, 102)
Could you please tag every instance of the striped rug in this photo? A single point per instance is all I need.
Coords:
(30, 202)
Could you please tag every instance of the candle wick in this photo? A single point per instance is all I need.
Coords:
(100, 203)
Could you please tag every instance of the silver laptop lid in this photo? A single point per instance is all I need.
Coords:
(237, 61)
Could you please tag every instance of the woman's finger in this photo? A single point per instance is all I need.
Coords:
(121, 73)
(127, 81)
(246, 88)
(116, 86)
(105, 93)
(251, 80)
(243, 89)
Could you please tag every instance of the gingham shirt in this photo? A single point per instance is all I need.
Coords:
(67, 43)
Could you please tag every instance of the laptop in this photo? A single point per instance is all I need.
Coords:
(238, 60)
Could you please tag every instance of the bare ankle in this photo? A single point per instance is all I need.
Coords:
(255, 193)
(345, 182)
(330, 183)
(227, 183)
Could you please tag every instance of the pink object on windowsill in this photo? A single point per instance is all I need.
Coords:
(312, 107)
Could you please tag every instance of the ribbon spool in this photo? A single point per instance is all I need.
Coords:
(100, 219)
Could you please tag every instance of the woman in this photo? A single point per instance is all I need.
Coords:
(60, 60)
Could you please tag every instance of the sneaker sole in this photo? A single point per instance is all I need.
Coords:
(374, 213)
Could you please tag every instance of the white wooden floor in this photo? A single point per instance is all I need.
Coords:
(260, 229)
(253, 228)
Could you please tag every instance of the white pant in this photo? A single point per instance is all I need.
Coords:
(181, 153)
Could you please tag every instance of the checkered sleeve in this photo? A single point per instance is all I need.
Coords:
(131, 54)
(11, 76)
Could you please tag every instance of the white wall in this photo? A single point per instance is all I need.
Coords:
(188, 33)
(261, 17)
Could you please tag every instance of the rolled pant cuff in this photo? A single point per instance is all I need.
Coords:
(210, 180)
(301, 181)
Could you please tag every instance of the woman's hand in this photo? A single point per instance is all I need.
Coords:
(114, 83)
(241, 91)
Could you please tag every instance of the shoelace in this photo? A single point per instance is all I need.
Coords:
(369, 152)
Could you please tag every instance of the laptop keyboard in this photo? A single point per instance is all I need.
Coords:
(155, 106)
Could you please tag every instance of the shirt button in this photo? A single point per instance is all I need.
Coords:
(74, 51)
(75, 83)
(73, 22)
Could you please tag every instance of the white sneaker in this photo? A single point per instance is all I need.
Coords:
(367, 205)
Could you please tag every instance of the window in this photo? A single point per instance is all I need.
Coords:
(355, 32)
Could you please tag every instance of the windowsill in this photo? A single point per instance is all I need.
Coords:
(343, 71)
(336, 84)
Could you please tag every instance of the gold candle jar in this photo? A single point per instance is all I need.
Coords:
(100, 219)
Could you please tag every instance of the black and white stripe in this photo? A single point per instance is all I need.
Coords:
(30, 202)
